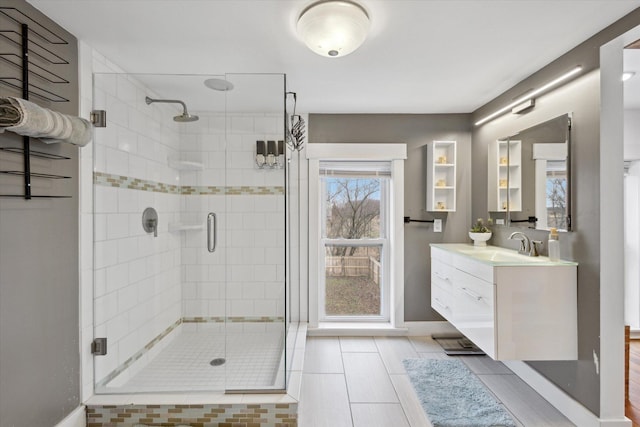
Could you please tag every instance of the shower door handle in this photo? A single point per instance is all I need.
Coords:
(212, 232)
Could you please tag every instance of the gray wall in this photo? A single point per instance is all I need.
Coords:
(415, 130)
(582, 97)
(39, 326)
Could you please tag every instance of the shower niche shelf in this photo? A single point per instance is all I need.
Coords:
(175, 227)
(185, 165)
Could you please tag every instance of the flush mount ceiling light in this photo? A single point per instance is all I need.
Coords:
(333, 28)
(219, 84)
(627, 75)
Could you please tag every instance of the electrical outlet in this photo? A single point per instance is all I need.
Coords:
(500, 221)
(437, 226)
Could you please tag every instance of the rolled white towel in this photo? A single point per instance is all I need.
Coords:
(28, 119)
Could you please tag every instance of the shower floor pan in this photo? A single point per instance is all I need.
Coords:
(252, 361)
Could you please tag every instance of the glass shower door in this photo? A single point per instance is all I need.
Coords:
(159, 294)
(189, 233)
(255, 233)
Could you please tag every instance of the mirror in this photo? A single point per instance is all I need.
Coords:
(529, 176)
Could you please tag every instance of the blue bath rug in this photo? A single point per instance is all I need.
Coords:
(452, 396)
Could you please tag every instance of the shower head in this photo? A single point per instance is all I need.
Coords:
(185, 118)
(182, 118)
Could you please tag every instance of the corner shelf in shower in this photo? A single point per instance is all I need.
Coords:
(185, 165)
(179, 226)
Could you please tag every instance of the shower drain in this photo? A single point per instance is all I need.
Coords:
(217, 362)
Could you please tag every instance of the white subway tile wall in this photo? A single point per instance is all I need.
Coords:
(250, 251)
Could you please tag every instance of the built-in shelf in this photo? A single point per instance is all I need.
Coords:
(441, 176)
(179, 226)
(186, 165)
(505, 176)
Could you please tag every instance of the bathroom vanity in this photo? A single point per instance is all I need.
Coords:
(512, 306)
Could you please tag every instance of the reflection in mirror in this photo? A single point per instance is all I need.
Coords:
(529, 176)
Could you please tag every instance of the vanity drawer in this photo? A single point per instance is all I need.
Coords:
(475, 268)
(442, 255)
(473, 308)
(442, 274)
(442, 301)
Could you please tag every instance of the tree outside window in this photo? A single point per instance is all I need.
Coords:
(353, 272)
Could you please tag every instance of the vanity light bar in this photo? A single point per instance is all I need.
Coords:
(530, 95)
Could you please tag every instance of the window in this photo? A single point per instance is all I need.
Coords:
(356, 235)
(557, 194)
(354, 243)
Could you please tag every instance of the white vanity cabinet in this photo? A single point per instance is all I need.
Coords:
(511, 310)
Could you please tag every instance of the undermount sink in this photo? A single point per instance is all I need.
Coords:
(500, 256)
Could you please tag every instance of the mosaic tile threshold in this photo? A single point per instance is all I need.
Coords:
(214, 415)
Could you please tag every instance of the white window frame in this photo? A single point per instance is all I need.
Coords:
(383, 241)
(396, 154)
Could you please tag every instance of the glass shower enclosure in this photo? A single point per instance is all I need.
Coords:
(190, 233)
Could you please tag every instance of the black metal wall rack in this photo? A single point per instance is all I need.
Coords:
(32, 42)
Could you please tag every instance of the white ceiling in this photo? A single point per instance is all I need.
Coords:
(422, 56)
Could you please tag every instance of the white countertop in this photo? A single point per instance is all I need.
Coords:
(495, 255)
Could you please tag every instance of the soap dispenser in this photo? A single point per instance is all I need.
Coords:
(554, 245)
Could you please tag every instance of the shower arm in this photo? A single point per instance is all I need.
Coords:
(168, 101)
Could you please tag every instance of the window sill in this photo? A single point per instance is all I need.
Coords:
(353, 329)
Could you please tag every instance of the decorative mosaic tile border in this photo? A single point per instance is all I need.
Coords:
(189, 190)
(120, 181)
(210, 415)
(203, 319)
(213, 319)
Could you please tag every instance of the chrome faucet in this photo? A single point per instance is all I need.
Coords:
(525, 243)
(527, 246)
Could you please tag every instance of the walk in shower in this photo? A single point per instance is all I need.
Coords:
(192, 295)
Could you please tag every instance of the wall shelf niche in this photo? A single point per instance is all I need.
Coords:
(441, 176)
(506, 178)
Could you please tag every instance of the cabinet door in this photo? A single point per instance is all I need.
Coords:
(474, 310)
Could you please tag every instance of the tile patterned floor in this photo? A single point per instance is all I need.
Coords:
(358, 382)
(252, 361)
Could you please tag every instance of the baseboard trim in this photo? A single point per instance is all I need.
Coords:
(380, 329)
(569, 407)
(345, 329)
(77, 418)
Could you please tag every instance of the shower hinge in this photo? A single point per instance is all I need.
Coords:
(99, 347)
(99, 118)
